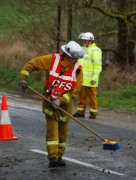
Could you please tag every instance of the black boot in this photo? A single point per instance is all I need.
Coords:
(92, 116)
(53, 162)
(61, 162)
(78, 115)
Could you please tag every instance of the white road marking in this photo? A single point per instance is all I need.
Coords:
(83, 163)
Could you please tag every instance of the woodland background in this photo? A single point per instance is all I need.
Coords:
(32, 28)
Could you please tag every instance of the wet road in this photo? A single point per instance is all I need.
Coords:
(26, 158)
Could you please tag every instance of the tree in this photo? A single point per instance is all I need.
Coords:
(125, 14)
(44, 24)
(49, 23)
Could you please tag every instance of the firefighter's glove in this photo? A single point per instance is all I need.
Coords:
(93, 82)
(23, 84)
(56, 103)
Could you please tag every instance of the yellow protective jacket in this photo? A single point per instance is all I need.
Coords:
(91, 64)
(44, 63)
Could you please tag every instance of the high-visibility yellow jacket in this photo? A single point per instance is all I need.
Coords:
(92, 65)
(44, 63)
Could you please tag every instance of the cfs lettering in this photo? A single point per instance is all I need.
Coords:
(62, 84)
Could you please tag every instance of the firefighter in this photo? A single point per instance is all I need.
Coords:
(64, 79)
(92, 66)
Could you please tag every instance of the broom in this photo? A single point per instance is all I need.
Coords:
(107, 143)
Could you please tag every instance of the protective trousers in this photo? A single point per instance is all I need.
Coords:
(56, 135)
(87, 95)
(56, 127)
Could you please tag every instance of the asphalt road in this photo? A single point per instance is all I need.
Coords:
(26, 158)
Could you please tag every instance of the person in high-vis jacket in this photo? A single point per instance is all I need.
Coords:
(63, 82)
(92, 66)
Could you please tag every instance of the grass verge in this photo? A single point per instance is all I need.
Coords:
(121, 99)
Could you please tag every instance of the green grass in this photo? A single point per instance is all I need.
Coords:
(7, 18)
(5, 90)
(122, 99)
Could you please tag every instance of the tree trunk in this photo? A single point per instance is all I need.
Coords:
(131, 48)
(122, 52)
(64, 24)
(69, 29)
(58, 28)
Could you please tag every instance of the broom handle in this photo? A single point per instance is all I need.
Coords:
(69, 115)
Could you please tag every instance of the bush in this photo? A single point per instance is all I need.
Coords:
(114, 77)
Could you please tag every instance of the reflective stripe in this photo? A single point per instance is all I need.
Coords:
(96, 73)
(54, 97)
(93, 110)
(88, 75)
(5, 118)
(64, 118)
(66, 97)
(55, 65)
(50, 143)
(92, 65)
(88, 59)
(24, 72)
(80, 109)
(47, 111)
(54, 69)
(97, 60)
(95, 50)
(54, 73)
(62, 144)
(74, 70)
(62, 77)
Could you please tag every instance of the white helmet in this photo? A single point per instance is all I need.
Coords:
(86, 36)
(73, 50)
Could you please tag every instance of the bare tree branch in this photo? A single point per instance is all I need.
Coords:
(108, 13)
(108, 33)
(112, 15)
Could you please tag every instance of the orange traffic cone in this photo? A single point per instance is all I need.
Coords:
(6, 132)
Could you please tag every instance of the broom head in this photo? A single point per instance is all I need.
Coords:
(110, 145)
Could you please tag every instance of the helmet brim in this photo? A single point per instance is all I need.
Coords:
(64, 49)
(78, 55)
(87, 39)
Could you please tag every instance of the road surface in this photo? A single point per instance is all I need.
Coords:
(26, 158)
